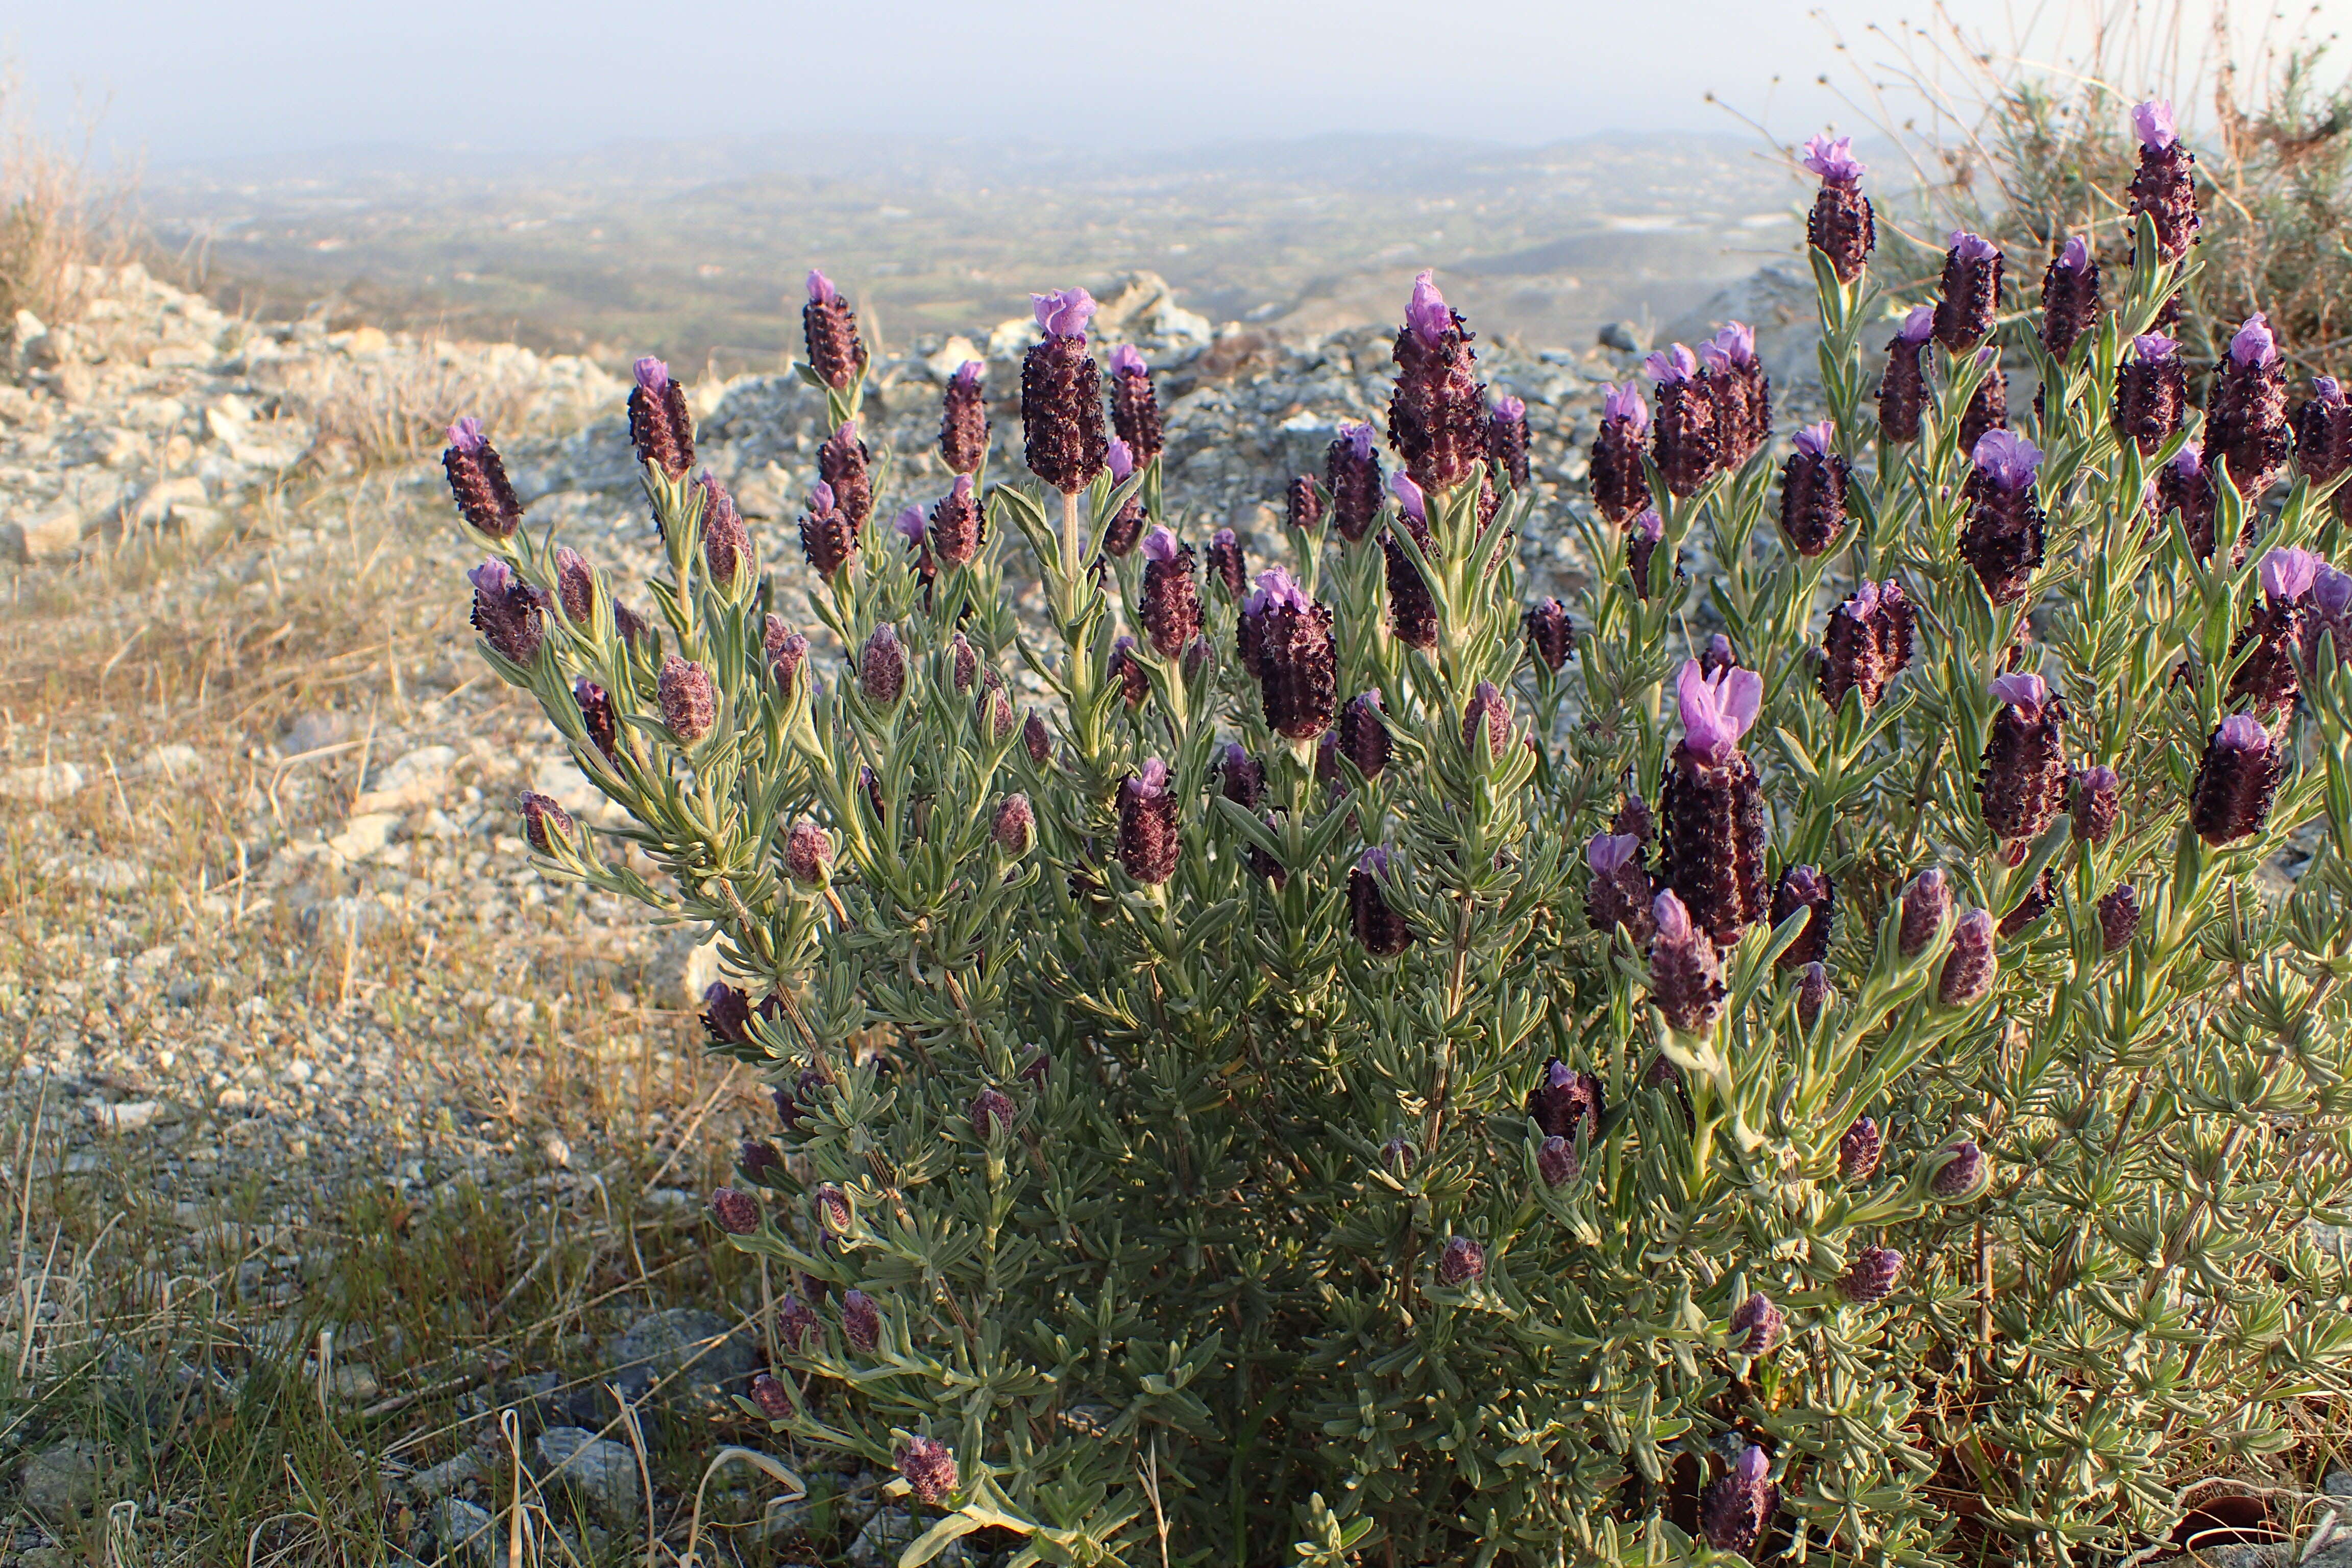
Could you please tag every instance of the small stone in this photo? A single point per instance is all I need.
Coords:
(467, 1534)
(40, 784)
(420, 778)
(887, 1534)
(2337, 1484)
(1625, 337)
(448, 1475)
(62, 1480)
(600, 1470)
(354, 1382)
(131, 1116)
(658, 1345)
(44, 537)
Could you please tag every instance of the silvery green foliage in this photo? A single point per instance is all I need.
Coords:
(1269, 1259)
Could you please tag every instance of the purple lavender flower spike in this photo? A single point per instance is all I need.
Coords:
(1428, 315)
(1813, 440)
(1065, 312)
(1717, 710)
(1125, 359)
(821, 290)
(910, 526)
(968, 374)
(1733, 348)
(1605, 852)
(1409, 497)
(1121, 458)
(466, 436)
(2331, 591)
(1973, 246)
(652, 374)
(1160, 543)
(2288, 574)
(2154, 346)
(2153, 123)
(1835, 159)
(1626, 403)
(1672, 363)
(1918, 326)
(2253, 344)
(2075, 255)
(1506, 406)
(1359, 437)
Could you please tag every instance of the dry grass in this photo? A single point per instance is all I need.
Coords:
(397, 408)
(59, 219)
(181, 1300)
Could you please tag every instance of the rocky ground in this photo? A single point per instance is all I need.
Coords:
(350, 1165)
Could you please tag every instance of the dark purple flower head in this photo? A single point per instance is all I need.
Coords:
(2252, 345)
(1812, 994)
(1859, 1147)
(1756, 1325)
(2007, 459)
(575, 585)
(1835, 159)
(478, 481)
(930, 1469)
(659, 426)
(808, 854)
(1149, 844)
(1382, 932)
(775, 1402)
(1963, 1174)
(1735, 1510)
(1925, 904)
(1486, 724)
(689, 698)
(1970, 964)
(543, 815)
(1625, 404)
(2095, 804)
(1286, 641)
(861, 1321)
(1671, 365)
(882, 667)
(1065, 312)
(2236, 781)
(2153, 123)
(1804, 888)
(1620, 892)
(1685, 972)
(1362, 735)
(1556, 1161)
(596, 715)
(1462, 1261)
(1427, 314)
(738, 1213)
(508, 613)
(992, 1112)
(1353, 474)
(1970, 296)
(1717, 710)
(1225, 565)
(1814, 490)
(1565, 1102)
(1871, 1276)
(2118, 917)
(1014, 826)
(1551, 633)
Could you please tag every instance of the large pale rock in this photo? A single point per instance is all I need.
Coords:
(418, 778)
(44, 536)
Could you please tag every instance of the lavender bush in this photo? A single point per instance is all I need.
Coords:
(1807, 1053)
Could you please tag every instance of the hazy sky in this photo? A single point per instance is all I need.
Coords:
(241, 77)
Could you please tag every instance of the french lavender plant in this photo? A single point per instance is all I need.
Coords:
(1804, 1053)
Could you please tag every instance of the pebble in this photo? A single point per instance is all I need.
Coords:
(62, 1480)
(600, 1470)
(467, 1534)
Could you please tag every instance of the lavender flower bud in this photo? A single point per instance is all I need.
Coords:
(828, 536)
(1127, 669)
(1486, 725)
(2070, 299)
(2331, 616)
(1506, 439)
(1711, 849)
(1225, 567)
(963, 663)
(797, 1325)
(1134, 404)
(1170, 608)
(1903, 391)
(1804, 888)
(596, 715)
(930, 1469)
(1396, 1155)
(992, 1112)
(1812, 993)
(1971, 293)
(1812, 492)
(1756, 1326)
(1735, 1509)
(2039, 901)
(832, 1211)
(1380, 928)
(1302, 505)
(541, 816)
(957, 526)
(1685, 975)
(793, 1101)
(2002, 538)
(1642, 536)
(1363, 735)
(1437, 412)
(1964, 1174)
(1859, 1148)
(690, 701)
(2023, 785)
(1867, 643)
(2323, 437)
(2236, 780)
(726, 543)
(2272, 643)
(1841, 226)
(508, 612)
(2151, 392)
(757, 1157)
(1014, 827)
(576, 586)
(1148, 843)
(964, 420)
(659, 426)
(1565, 1102)
(1461, 1261)
(2245, 412)
(995, 710)
(845, 466)
(1687, 445)
(1412, 608)
(1621, 486)
(1061, 395)
(1926, 902)
(1742, 393)
(478, 481)
(861, 1321)
(1556, 1161)
(2118, 917)
(829, 327)
(882, 667)
(2095, 805)
(738, 1214)
(1125, 529)
(808, 855)
(1620, 891)
(1352, 472)
(1286, 640)
(1969, 965)
(1987, 406)
(1872, 1275)
(774, 1401)
(1036, 739)
(1551, 636)
(2161, 188)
